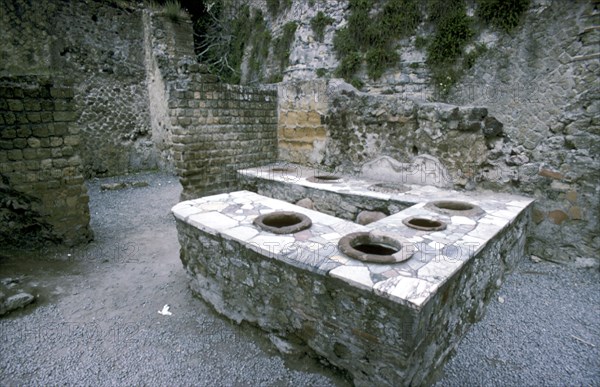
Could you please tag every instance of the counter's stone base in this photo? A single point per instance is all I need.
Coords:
(376, 340)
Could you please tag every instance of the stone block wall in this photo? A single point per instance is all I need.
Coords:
(43, 192)
(169, 47)
(99, 46)
(377, 341)
(364, 126)
(331, 124)
(341, 205)
(301, 130)
(218, 129)
(307, 55)
(543, 83)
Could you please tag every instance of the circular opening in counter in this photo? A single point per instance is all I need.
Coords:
(282, 169)
(424, 224)
(324, 179)
(369, 247)
(283, 222)
(454, 207)
(376, 249)
(388, 188)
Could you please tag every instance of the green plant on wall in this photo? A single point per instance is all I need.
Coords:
(452, 34)
(286, 4)
(370, 35)
(349, 65)
(379, 59)
(370, 38)
(276, 6)
(226, 40)
(421, 42)
(172, 9)
(453, 30)
(260, 41)
(242, 31)
(282, 44)
(470, 57)
(369, 41)
(446, 55)
(504, 14)
(318, 25)
(399, 18)
(343, 44)
(273, 7)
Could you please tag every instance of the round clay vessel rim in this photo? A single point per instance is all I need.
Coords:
(346, 245)
(324, 179)
(305, 222)
(282, 169)
(474, 211)
(389, 187)
(407, 223)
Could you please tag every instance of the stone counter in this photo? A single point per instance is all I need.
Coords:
(385, 324)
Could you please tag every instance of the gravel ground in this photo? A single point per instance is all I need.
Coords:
(96, 322)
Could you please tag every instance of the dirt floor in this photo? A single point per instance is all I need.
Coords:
(95, 320)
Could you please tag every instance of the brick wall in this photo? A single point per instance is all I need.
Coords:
(169, 44)
(42, 192)
(219, 128)
(98, 45)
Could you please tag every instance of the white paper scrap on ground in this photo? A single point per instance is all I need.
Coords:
(165, 311)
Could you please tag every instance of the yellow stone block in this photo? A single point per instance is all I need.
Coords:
(575, 213)
(313, 118)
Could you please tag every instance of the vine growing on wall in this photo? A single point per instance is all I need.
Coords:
(225, 40)
(454, 30)
(368, 42)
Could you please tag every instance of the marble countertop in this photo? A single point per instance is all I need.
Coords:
(437, 255)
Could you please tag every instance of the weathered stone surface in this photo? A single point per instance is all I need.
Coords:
(542, 125)
(380, 329)
(120, 87)
(306, 203)
(575, 213)
(102, 58)
(139, 184)
(42, 195)
(537, 216)
(422, 169)
(302, 132)
(492, 127)
(366, 217)
(112, 186)
(551, 174)
(340, 204)
(236, 132)
(16, 301)
(557, 216)
(548, 102)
